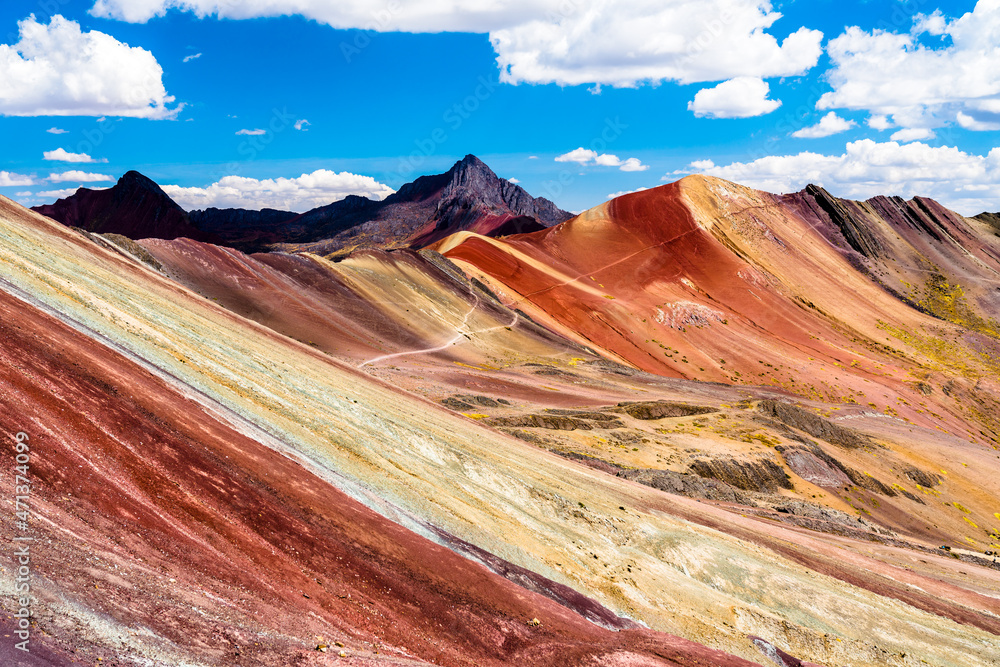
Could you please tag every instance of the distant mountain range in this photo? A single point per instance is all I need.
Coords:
(684, 427)
(469, 196)
(135, 207)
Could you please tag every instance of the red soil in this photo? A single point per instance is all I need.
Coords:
(650, 252)
(160, 518)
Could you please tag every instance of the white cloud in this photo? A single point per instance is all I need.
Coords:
(585, 156)
(934, 24)
(56, 130)
(569, 42)
(9, 179)
(879, 123)
(26, 193)
(604, 159)
(613, 195)
(920, 86)
(195, 56)
(696, 167)
(78, 177)
(912, 134)
(970, 123)
(300, 194)
(61, 155)
(59, 194)
(633, 164)
(579, 155)
(701, 165)
(252, 133)
(58, 70)
(828, 125)
(742, 97)
(988, 106)
(301, 123)
(514, 181)
(867, 168)
(630, 41)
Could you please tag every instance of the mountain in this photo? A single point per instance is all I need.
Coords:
(708, 280)
(469, 196)
(135, 207)
(700, 424)
(242, 513)
(992, 220)
(246, 228)
(928, 256)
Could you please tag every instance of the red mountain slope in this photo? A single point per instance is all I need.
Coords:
(708, 280)
(161, 527)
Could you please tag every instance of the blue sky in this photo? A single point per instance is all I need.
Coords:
(574, 99)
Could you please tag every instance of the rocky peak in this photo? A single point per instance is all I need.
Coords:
(136, 207)
(471, 180)
(133, 180)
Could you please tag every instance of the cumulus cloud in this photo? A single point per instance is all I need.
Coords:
(828, 125)
(9, 179)
(912, 134)
(742, 97)
(59, 194)
(59, 70)
(61, 155)
(300, 194)
(962, 181)
(514, 181)
(696, 167)
(613, 195)
(76, 176)
(879, 123)
(919, 86)
(56, 130)
(633, 164)
(301, 123)
(970, 123)
(613, 42)
(701, 165)
(584, 156)
(253, 133)
(579, 155)
(630, 41)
